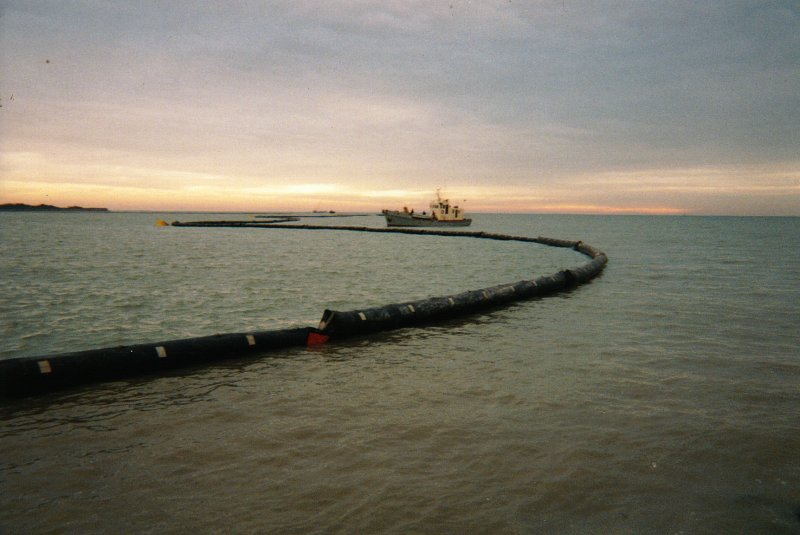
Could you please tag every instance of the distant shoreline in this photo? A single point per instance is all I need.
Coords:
(19, 207)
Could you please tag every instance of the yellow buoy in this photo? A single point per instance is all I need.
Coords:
(161, 223)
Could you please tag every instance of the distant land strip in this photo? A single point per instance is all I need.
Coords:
(19, 207)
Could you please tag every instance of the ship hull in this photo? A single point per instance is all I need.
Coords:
(403, 219)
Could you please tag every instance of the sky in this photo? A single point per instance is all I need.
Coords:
(551, 106)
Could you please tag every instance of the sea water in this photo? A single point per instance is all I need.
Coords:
(663, 397)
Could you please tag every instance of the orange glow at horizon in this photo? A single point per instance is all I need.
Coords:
(674, 192)
(134, 199)
(609, 210)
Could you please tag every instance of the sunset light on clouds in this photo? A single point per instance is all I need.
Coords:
(672, 107)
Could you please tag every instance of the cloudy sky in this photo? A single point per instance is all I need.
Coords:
(523, 106)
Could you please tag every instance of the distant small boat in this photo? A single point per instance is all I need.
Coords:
(443, 214)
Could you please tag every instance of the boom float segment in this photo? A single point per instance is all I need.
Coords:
(32, 375)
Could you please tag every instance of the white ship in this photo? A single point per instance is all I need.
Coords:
(442, 214)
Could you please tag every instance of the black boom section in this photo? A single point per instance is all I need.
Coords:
(32, 375)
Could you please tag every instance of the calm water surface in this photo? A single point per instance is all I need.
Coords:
(661, 398)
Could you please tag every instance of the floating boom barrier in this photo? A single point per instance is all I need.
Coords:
(33, 375)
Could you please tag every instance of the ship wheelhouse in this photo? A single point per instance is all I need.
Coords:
(442, 210)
